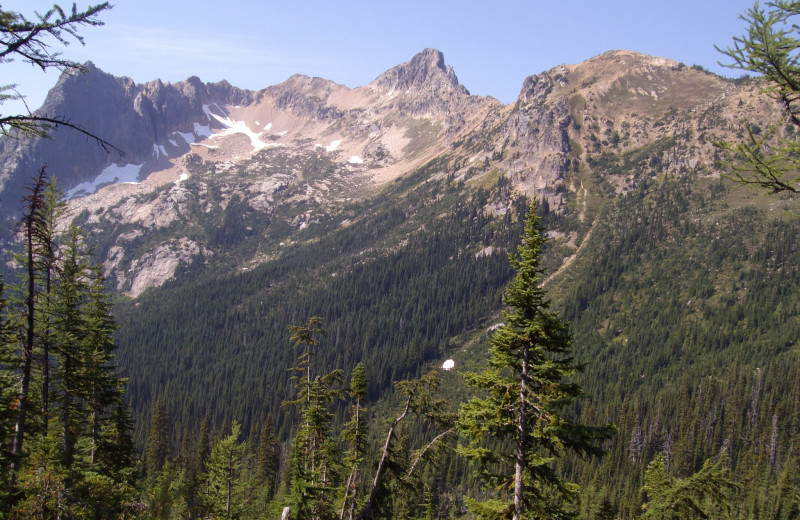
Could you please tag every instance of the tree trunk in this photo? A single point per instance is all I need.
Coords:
(34, 206)
(366, 512)
(522, 432)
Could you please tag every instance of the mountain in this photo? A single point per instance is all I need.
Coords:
(364, 137)
(388, 210)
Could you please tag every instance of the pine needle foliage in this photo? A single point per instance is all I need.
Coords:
(526, 392)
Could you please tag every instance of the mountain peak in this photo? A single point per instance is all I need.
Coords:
(425, 70)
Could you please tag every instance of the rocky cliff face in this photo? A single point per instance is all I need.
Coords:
(135, 118)
(295, 154)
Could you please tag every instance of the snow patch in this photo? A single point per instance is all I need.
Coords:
(331, 147)
(112, 174)
(284, 132)
(237, 127)
(355, 160)
(202, 131)
(187, 137)
(158, 151)
(267, 127)
(448, 365)
(182, 178)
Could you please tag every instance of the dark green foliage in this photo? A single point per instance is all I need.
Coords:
(77, 456)
(224, 480)
(391, 308)
(355, 436)
(706, 494)
(269, 458)
(525, 393)
(159, 448)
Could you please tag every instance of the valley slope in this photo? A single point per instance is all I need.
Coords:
(389, 209)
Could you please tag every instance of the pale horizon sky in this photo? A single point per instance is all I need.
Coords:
(492, 46)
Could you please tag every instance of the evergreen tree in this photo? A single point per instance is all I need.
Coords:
(72, 344)
(355, 435)
(46, 234)
(32, 222)
(269, 458)
(527, 392)
(705, 494)
(771, 49)
(81, 464)
(158, 449)
(313, 459)
(223, 499)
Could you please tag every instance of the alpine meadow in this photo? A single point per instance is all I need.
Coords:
(402, 300)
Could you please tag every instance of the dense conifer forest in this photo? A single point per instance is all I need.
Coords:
(416, 354)
(713, 399)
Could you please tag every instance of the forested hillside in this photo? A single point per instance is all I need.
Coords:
(406, 301)
(682, 300)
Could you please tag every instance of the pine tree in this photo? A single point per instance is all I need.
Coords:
(269, 454)
(158, 449)
(53, 207)
(526, 393)
(71, 343)
(313, 457)
(705, 494)
(223, 499)
(31, 222)
(355, 434)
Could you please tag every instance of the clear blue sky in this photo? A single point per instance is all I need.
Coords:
(493, 46)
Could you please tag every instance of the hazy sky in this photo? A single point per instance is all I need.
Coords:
(493, 46)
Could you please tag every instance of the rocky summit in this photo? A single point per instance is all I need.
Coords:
(312, 143)
(387, 213)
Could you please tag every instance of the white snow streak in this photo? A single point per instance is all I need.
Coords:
(113, 174)
(355, 160)
(158, 151)
(237, 127)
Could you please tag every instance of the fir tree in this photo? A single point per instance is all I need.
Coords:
(269, 455)
(526, 393)
(158, 449)
(705, 494)
(355, 434)
(223, 499)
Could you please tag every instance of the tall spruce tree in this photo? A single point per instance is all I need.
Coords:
(705, 494)
(313, 458)
(519, 426)
(355, 434)
(158, 449)
(223, 499)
